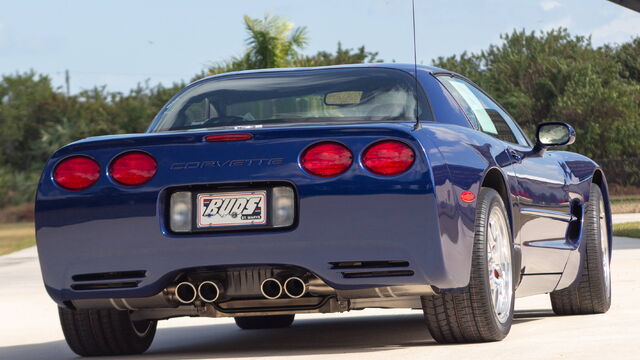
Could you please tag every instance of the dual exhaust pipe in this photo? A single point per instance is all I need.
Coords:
(207, 291)
(211, 290)
(293, 287)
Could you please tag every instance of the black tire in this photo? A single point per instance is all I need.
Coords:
(467, 315)
(105, 332)
(264, 322)
(590, 295)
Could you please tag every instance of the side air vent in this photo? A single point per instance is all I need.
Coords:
(368, 264)
(103, 286)
(114, 275)
(574, 229)
(108, 280)
(373, 274)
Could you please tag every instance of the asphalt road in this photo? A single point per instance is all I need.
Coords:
(29, 327)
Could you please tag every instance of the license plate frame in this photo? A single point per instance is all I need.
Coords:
(218, 210)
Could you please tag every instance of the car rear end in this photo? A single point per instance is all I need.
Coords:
(116, 240)
(278, 217)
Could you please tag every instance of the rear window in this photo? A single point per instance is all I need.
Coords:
(293, 97)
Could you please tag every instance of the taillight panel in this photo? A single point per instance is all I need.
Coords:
(382, 158)
(76, 173)
(133, 168)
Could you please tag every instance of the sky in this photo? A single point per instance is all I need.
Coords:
(122, 43)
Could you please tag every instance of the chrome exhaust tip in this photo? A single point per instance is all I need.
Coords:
(271, 288)
(294, 287)
(185, 292)
(209, 291)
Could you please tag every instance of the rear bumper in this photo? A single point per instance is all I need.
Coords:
(332, 228)
(356, 216)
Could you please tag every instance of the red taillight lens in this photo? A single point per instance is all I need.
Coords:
(388, 158)
(76, 173)
(133, 168)
(326, 159)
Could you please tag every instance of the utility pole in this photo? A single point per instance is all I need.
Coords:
(67, 81)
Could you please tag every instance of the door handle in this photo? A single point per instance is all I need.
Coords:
(516, 155)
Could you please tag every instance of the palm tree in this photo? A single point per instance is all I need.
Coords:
(272, 42)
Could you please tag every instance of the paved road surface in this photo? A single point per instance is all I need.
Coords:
(29, 327)
(625, 218)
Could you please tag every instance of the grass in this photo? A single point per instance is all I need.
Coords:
(622, 204)
(631, 229)
(14, 237)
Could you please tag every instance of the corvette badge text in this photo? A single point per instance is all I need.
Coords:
(225, 163)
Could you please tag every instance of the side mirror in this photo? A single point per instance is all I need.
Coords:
(554, 134)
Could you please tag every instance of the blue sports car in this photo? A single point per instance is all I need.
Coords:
(259, 195)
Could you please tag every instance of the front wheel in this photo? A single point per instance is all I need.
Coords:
(483, 311)
(105, 332)
(592, 293)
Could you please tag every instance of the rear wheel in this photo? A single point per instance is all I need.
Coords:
(483, 311)
(105, 332)
(592, 294)
(264, 322)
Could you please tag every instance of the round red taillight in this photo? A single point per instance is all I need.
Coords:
(388, 158)
(76, 173)
(326, 159)
(133, 168)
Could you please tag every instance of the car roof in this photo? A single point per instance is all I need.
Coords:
(409, 68)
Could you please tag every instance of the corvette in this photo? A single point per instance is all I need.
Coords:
(225, 163)
(260, 195)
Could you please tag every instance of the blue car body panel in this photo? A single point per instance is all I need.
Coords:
(415, 217)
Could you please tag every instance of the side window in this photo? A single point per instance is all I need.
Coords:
(484, 114)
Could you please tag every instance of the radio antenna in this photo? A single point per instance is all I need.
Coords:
(415, 62)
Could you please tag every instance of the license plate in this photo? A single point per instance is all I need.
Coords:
(232, 209)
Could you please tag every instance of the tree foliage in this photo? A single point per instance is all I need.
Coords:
(628, 56)
(271, 42)
(274, 42)
(553, 76)
(37, 119)
(341, 56)
(538, 77)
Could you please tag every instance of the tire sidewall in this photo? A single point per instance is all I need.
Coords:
(487, 201)
(596, 197)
